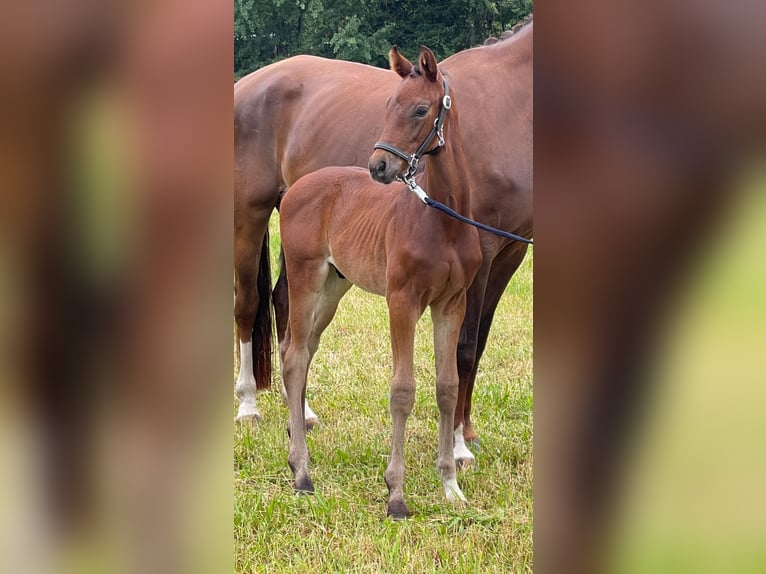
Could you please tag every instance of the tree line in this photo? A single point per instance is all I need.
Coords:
(364, 30)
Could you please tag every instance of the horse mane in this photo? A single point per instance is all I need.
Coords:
(510, 31)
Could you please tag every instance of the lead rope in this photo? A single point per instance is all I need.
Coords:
(420, 192)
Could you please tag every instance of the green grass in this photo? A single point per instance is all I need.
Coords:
(343, 527)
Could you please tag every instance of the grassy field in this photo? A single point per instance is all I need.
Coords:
(343, 527)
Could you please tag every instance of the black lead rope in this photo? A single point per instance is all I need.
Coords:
(409, 181)
(452, 213)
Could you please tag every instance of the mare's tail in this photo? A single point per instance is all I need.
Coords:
(262, 330)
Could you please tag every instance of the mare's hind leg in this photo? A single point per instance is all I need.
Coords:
(403, 316)
(314, 297)
(447, 318)
(466, 359)
(249, 230)
(482, 300)
(503, 268)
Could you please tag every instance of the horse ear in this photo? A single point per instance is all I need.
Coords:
(427, 63)
(399, 63)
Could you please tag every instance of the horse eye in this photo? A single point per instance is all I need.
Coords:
(421, 112)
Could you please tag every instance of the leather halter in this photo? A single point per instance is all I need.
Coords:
(412, 160)
(436, 131)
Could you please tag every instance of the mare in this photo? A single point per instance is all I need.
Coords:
(304, 113)
(340, 228)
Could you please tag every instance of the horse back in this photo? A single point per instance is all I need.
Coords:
(285, 111)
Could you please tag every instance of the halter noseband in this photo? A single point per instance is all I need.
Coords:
(436, 131)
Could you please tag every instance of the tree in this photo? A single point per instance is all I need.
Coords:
(364, 30)
(264, 31)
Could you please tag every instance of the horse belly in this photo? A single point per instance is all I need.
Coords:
(364, 268)
(357, 235)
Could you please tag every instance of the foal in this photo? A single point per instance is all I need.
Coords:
(340, 228)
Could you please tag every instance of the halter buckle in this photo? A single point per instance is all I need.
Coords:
(439, 131)
(413, 166)
(446, 102)
(409, 181)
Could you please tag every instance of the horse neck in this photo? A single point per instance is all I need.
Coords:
(445, 174)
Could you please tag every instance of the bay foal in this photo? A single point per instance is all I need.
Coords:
(340, 228)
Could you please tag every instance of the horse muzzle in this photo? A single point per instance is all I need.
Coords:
(384, 167)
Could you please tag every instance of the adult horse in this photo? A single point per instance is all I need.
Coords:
(304, 113)
(340, 228)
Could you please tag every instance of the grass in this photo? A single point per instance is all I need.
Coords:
(343, 527)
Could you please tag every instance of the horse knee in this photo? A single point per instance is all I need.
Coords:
(402, 398)
(446, 395)
(294, 364)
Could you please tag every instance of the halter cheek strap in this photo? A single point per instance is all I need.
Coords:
(436, 132)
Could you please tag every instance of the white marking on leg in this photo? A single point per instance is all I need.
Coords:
(452, 490)
(308, 415)
(462, 455)
(246, 384)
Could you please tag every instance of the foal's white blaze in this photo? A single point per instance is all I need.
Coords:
(452, 490)
(462, 454)
(246, 384)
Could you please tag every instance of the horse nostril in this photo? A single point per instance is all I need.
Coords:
(382, 167)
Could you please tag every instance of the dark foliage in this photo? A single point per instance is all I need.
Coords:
(363, 30)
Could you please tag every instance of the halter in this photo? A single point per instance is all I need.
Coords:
(436, 131)
(409, 179)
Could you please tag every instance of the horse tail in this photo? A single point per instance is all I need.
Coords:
(262, 328)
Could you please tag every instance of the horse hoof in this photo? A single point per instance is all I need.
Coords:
(397, 510)
(474, 443)
(452, 491)
(252, 418)
(312, 423)
(304, 486)
(463, 457)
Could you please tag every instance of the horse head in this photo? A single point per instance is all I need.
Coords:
(416, 114)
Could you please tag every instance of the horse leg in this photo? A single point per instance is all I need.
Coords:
(249, 241)
(447, 319)
(312, 307)
(503, 268)
(294, 371)
(281, 314)
(403, 316)
(466, 359)
(304, 295)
